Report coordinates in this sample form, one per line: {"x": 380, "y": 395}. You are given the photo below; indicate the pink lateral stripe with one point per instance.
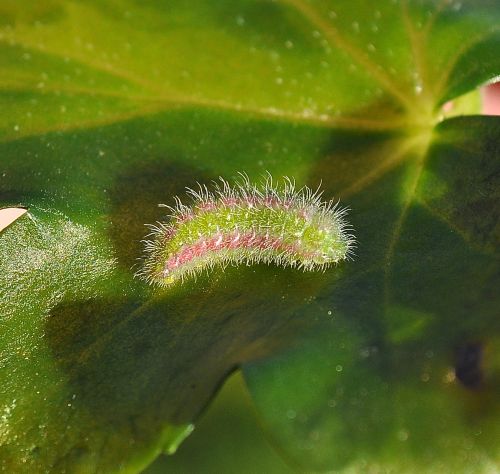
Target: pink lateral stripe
{"x": 231, "y": 241}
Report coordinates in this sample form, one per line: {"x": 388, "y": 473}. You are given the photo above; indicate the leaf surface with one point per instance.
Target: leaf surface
{"x": 109, "y": 108}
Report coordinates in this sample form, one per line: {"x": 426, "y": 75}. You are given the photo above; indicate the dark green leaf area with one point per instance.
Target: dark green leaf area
{"x": 405, "y": 350}
{"x": 213, "y": 447}
{"x": 461, "y": 184}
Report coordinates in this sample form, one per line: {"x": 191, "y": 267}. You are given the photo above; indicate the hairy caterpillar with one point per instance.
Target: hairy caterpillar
{"x": 246, "y": 224}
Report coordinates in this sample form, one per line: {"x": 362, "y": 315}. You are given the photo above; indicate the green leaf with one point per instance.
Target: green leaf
{"x": 213, "y": 446}
{"x": 109, "y": 108}
{"x": 388, "y": 373}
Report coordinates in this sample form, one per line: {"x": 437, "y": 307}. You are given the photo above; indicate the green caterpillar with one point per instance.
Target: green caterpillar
{"x": 246, "y": 224}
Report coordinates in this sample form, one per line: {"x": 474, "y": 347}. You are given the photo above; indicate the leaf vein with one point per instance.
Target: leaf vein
{"x": 338, "y": 40}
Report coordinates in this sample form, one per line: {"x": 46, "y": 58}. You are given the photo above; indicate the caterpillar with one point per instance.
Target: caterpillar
{"x": 246, "y": 224}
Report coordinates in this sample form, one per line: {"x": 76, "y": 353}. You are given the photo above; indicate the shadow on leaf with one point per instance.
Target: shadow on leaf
{"x": 169, "y": 354}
